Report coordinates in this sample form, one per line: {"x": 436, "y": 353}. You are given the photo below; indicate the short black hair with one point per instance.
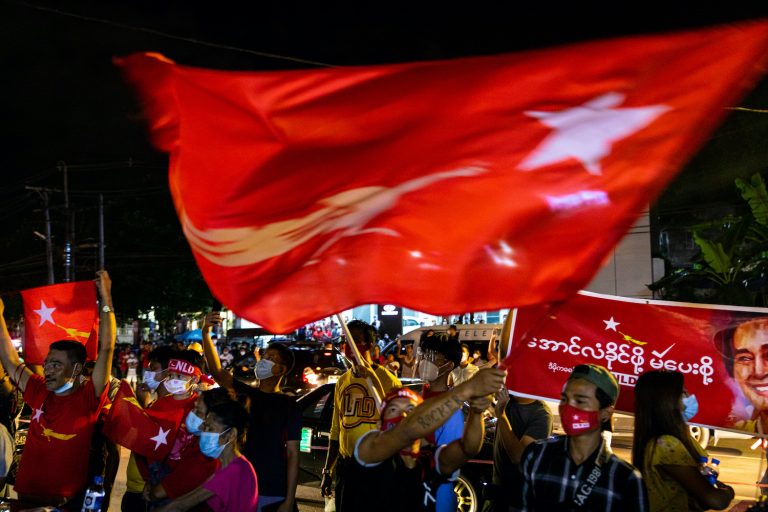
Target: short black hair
{"x": 75, "y": 350}
{"x": 369, "y": 333}
{"x": 163, "y": 354}
{"x": 215, "y": 396}
{"x": 453, "y": 326}
{"x": 232, "y": 414}
{"x": 286, "y": 355}
{"x": 190, "y": 356}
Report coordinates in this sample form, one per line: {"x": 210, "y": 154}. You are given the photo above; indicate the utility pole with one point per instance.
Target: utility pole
{"x": 48, "y": 237}
{"x": 69, "y": 235}
{"x": 101, "y": 231}
{"x": 48, "y": 241}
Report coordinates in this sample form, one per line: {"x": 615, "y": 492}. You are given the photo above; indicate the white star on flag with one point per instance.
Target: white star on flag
{"x": 46, "y": 313}
{"x": 38, "y": 412}
{"x": 611, "y": 324}
{"x": 161, "y": 437}
{"x": 587, "y": 131}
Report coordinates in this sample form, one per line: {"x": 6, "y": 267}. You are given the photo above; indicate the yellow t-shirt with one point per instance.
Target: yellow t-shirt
{"x": 664, "y": 492}
{"x": 354, "y": 409}
{"x": 134, "y": 483}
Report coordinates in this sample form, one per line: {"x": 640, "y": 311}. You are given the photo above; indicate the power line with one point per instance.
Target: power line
{"x": 173, "y": 36}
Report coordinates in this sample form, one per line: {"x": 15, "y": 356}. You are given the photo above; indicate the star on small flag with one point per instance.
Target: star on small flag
{"x": 46, "y": 313}
{"x": 611, "y": 324}
{"x": 38, "y": 413}
{"x": 161, "y": 437}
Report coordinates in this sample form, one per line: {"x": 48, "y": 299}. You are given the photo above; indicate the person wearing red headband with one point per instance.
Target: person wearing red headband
{"x": 185, "y": 467}
{"x": 391, "y": 457}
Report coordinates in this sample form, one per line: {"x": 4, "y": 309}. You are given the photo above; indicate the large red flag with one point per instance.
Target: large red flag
{"x": 444, "y": 186}
{"x": 143, "y": 431}
{"x": 65, "y": 311}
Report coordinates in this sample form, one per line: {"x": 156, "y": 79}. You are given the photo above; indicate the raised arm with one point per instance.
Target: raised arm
{"x": 222, "y": 377}
{"x": 513, "y": 446}
{"x": 428, "y": 416}
{"x": 493, "y": 349}
{"x": 455, "y": 454}
{"x": 107, "y": 332}
{"x": 10, "y": 358}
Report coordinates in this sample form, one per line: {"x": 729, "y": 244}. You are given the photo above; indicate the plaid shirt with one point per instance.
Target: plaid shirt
{"x": 552, "y": 480}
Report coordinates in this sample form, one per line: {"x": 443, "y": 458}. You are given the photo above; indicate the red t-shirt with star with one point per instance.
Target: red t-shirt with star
{"x": 55, "y": 457}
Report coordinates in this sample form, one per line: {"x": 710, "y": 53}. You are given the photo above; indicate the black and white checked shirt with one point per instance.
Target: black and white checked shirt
{"x": 551, "y": 481}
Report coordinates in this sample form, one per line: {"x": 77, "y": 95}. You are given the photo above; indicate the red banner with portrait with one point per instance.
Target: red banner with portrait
{"x": 722, "y": 351}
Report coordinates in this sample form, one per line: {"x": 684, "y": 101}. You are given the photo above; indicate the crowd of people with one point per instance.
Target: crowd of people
{"x": 235, "y": 446}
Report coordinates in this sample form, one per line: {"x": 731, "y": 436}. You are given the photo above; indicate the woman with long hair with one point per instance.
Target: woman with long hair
{"x": 664, "y": 451}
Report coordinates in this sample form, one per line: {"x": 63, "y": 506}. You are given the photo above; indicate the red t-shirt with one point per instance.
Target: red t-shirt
{"x": 55, "y": 458}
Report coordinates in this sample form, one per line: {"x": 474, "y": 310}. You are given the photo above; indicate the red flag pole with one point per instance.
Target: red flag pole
{"x": 359, "y": 359}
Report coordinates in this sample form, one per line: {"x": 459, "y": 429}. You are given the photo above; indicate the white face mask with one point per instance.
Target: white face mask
{"x": 464, "y": 357}
{"x": 264, "y": 369}
{"x": 176, "y": 386}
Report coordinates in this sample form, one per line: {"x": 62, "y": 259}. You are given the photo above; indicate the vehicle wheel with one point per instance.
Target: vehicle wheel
{"x": 700, "y": 435}
{"x": 465, "y": 495}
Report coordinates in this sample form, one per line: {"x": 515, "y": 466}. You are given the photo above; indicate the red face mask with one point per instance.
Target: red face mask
{"x": 391, "y": 423}
{"x": 577, "y": 422}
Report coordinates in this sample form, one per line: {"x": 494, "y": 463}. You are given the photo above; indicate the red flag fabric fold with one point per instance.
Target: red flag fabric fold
{"x": 445, "y": 186}
{"x": 143, "y": 431}
{"x": 66, "y": 311}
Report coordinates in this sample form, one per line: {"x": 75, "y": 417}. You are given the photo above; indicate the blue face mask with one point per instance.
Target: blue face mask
{"x": 209, "y": 444}
{"x": 193, "y": 423}
{"x": 67, "y": 385}
{"x": 690, "y": 407}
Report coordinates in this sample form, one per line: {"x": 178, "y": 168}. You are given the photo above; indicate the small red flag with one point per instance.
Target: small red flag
{"x": 143, "y": 431}
{"x": 445, "y": 186}
{"x": 65, "y": 311}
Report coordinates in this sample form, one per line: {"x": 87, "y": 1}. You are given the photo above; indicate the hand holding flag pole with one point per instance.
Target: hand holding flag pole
{"x": 362, "y": 364}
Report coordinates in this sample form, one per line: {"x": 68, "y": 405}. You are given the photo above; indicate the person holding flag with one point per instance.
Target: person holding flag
{"x": 185, "y": 467}
{"x": 355, "y": 410}
{"x": 54, "y": 465}
{"x": 391, "y": 456}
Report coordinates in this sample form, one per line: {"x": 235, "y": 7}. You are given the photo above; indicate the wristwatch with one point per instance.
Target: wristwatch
{"x": 106, "y": 309}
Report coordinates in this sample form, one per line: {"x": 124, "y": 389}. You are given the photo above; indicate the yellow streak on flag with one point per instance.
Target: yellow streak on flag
{"x": 132, "y": 400}
{"x": 50, "y": 433}
{"x": 72, "y": 332}
{"x": 630, "y": 339}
